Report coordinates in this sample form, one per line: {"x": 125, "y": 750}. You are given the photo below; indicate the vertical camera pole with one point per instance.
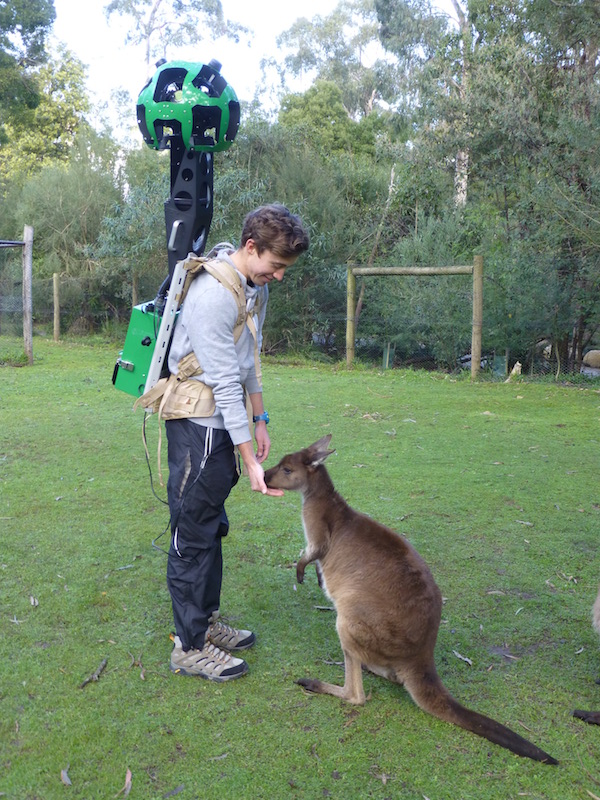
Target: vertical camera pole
{"x": 191, "y": 110}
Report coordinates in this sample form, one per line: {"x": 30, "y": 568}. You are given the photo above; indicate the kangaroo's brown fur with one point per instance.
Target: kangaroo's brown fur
{"x": 593, "y": 717}
{"x": 388, "y": 604}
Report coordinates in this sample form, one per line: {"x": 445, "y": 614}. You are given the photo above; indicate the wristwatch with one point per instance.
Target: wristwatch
{"x": 264, "y": 416}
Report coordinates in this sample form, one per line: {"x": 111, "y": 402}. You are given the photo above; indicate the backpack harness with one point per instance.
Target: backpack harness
{"x": 182, "y": 395}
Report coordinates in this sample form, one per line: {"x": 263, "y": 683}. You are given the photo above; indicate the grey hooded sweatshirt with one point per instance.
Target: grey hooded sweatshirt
{"x": 205, "y": 325}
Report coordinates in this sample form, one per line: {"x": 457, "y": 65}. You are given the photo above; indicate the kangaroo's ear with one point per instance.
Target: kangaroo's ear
{"x": 321, "y": 445}
{"x": 318, "y": 452}
{"x": 319, "y": 457}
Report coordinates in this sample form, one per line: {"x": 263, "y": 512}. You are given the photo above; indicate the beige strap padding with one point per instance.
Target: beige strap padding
{"x": 227, "y": 277}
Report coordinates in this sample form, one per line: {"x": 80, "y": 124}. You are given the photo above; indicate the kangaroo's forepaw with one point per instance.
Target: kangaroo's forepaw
{"x": 592, "y": 717}
{"x": 300, "y": 574}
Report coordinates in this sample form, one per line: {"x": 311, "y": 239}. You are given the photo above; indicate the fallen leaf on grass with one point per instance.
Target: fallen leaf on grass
{"x": 64, "y": 776}
{"x": 137, "y": 662}
{"x": 591, "y": 794}
{"x": 127, "y": 788}
{"x": 219, "y": 758}
{"x": 463, "y": 658}
{"x": 34, "y": 601}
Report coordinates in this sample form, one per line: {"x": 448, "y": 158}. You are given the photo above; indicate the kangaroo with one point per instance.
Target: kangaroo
{"x": 593, "y": 717}
{"x": 387, "y": 602}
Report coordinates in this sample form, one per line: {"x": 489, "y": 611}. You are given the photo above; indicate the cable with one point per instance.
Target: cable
{"x": 160, "y": 499}
{"x": 188, "y": 486}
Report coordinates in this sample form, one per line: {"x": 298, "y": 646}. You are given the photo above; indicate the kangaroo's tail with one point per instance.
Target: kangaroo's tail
{"x": 430, "y": 694}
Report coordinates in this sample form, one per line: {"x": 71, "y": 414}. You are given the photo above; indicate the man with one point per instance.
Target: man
{"x": 202, "y": 460}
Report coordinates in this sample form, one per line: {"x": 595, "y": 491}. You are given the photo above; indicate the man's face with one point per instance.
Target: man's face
{"x": 267, "y": 266}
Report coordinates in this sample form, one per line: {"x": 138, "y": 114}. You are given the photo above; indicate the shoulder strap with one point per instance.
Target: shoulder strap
{"x": 227, "y": 277}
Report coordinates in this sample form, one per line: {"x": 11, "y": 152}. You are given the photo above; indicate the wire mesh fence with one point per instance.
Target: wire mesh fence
{"x": 82, "y": 311}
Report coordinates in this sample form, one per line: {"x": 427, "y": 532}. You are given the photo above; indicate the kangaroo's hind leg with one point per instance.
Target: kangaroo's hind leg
{"x": 352, "y": 691}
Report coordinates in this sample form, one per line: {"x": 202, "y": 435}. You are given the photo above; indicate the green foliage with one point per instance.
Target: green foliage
{"x": 321, "y": 115}
{"x": 510, "y": 535}
{"x": 24, "y": 25}
{"x": 131, "y": 247}
{"x": 336, "y": 49}
{"x": 45, "y": 134}
{"x": 428, "y": 319}
{"x": 508, "y": 106}
{"x": 477, "y": 134}
{"x": 338, "y": 197}
{"x": 66, "y": 205}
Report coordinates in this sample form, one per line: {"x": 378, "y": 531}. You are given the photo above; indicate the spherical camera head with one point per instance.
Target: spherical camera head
{"x": 190, "y": 103}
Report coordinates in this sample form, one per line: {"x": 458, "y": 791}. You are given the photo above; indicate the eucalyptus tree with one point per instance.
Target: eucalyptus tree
{"x": 164, "y": 25}
{"x": 342, "y": 48}
{"x": 24, "y": 26}
{"x": 435, "y": 52}
{"x": 45, "y": 134}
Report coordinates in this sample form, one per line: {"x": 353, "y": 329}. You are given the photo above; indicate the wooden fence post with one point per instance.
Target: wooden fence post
{"x": 477, "y": 317}
{"x": 56, "y": 288}
{"x": 476, "y": 270}
{"x": 350, "y": 310}
{"x": 27, "y": 292}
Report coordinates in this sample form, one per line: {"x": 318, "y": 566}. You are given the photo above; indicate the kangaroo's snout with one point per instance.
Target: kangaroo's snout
{"x": 269, "y": 474}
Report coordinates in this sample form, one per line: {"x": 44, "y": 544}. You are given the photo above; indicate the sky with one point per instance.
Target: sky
{"x": 82, "y": 26}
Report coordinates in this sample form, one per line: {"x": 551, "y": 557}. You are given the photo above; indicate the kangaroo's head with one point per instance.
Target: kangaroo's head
{"x": 296, "y": 470}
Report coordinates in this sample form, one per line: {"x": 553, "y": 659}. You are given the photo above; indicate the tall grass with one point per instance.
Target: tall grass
{"x": 495, "y": 484}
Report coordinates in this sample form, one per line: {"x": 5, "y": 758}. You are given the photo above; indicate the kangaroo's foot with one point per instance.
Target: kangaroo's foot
{"x": 593, "y": 717}
{"x": 343, "y": 692}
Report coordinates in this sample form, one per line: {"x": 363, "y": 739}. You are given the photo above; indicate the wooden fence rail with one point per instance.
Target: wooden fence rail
{"x": 475, "y": 269}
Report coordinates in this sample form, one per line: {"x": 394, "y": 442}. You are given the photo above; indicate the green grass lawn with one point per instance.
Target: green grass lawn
{"x": 498, "y": 487}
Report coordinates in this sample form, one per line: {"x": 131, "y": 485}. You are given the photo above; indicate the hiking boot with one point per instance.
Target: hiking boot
{"x": 210, "y": 663}
{"x": 228, "y": 638}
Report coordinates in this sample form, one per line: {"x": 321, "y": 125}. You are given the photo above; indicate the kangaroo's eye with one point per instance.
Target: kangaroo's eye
{"x": 287, "y": 471}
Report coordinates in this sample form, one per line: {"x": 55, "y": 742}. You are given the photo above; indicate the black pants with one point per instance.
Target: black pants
{"x": 202, "y": 472}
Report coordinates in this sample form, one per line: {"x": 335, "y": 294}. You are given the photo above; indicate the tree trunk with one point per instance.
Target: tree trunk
{"x": 461, "y": 178}
{"x": 361, "y": 296}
